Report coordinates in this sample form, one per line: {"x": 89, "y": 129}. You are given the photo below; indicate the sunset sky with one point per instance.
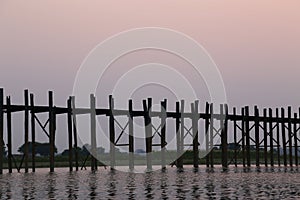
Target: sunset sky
{"x": 255, "y": 44}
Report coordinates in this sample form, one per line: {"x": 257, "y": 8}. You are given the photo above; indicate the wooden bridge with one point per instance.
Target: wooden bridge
{"x": 280, "y": 132}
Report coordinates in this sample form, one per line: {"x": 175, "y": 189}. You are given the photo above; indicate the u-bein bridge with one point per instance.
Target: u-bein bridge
{"x": 277, "y": 146}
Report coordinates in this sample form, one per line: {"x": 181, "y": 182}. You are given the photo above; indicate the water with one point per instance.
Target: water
{"x": 278, "y": 183}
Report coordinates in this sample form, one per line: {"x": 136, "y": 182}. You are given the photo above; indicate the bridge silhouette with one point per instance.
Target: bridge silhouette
{"x": 276, "y": 146}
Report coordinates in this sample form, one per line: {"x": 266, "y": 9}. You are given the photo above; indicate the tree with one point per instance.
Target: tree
{"x": 40, "y": 148}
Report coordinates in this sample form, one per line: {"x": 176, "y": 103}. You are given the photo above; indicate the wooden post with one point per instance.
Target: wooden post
{"x": 112, "y": 133}
{"x": 271, "y": 137}
{"x": 93, "y": 132}
{"x": 283, "y": 137}
{"x": 178, "y": 134}
{"x": 1, "y": 131}
{"x": 211, "y": 136}
{"x": 9, "y": 137}
{"x": 180, "y": 161}
{"x": 131, "y": 137}
{"x": 256, "y": 121}
{"x": 195, "y": 111}
{"x": 207, "y": 133}
{"x": 224, "y": 128}
{"x": 295, "y": 140}
{"x": 51, "y": 131}
{"x": 278, "y": 137}
{"x": 32, "y": 132}
{"x": 265, "y": 138}
{"x": 26, "y": 131}
{"x": 163, "y": 133}
{"x": 290, "y": 135}
{"x": 75, "y": 133}
{"x": 247, "y": 132}
{"x": 148, "y": 130}
{"x": 243, "y": 137}
{"x": 234, "y": 137}
{"x": 69, "y": 118}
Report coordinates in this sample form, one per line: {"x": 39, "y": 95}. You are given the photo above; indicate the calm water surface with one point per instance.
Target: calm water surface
{"x": 278, "y": 183}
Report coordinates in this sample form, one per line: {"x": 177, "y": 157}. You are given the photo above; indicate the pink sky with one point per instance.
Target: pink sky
{"x": 254, "y": 43}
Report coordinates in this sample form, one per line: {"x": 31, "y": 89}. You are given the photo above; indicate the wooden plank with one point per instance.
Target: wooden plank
{"x": 283, "y": 138}
{"x": 112, "y": 133}
{"x": 131, "y": 137}
{"x": 26, "y": 129}
{"x": 32, "y": 132}
{"x": 271, "y": 138}
{"x": 70, "y": 133}
{"x": 9, "y": 136}
{"x": 1, "y": 130}
{"x": 163, "y": 141}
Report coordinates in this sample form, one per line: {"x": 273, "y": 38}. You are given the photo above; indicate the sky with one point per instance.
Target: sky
{"x": 255, "y": 44}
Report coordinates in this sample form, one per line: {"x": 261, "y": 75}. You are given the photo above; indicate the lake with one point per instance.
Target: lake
{"x": 237, "y": 183}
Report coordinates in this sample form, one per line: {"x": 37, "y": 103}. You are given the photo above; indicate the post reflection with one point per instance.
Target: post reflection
{"x": 131, "y": 186}
{"x": 148, "y": 185}
{"x": 51, "y": 188}
{"x": 72, "y": 185}
{"x": 92, "y": 185}
{"x": 164, "y": 185}
{"x": 111, "y": 184}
